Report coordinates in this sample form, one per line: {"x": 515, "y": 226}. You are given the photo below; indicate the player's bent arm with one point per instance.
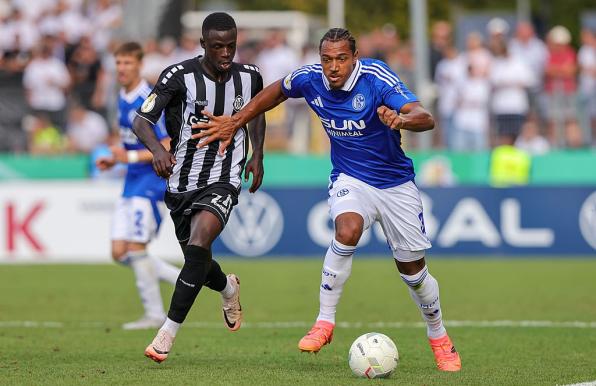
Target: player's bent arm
{"x": 412, "y": 116}
{"x": 136, "y": 156}
{"x": 256, "y": 131}
{"x": 143, "y": 129}
{"x": 163, "y": 161}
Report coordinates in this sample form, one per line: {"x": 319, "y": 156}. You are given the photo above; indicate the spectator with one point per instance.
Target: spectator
{"x": 106, "y": 16}
{"x": 509, "y": 166}
{"x": 471, "y": 119}
{"x": 87, "y": 76}
{"x": 13, "y": 105}
{"x": 276, "y": 60}
{"x": 46, "y": 80}
{"x": 86, "y": 130}
{"x": 440, "y": 41}
{"x": 450, "y": 72}
{"x": 18, "y": 33}
{"x": 527, "y": 47}
{"x": 157, "y": 57}
{"x": 497, "y": 29}
{"x": 189, "y": 47}
{"x": 44, "y": 137}
{"x": 587, "y": 84}
{"x": 477, "y": 55}
{"x": 560, "y": 84}
{"x": 530, "y": 139}
{"x": 510, "y": 78}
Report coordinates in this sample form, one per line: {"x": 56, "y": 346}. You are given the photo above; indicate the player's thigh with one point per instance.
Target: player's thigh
{"x": 212, "y": 204}
{"x": 402, "y": 221}
{"x": 144, "y": 220}
{"x": 119, "y": 226}
{"x": 205, "y": 226}
{"x": 348, "y": 195}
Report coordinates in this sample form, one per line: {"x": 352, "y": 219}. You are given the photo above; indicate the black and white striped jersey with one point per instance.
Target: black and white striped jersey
{"x": 183, "y": 91}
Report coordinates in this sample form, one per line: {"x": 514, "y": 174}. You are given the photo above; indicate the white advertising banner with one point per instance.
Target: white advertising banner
{"x": 66, "y": 221}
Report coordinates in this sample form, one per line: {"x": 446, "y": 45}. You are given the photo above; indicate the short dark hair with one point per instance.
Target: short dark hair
{"x": 218, "y": 21}
{"x": 339, "y": 34}
{"x": 130, "y": 48}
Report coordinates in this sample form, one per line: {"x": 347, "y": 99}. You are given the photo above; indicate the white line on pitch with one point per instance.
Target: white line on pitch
{"x": 590, "y": 383}
{"x": 304, "y": 324}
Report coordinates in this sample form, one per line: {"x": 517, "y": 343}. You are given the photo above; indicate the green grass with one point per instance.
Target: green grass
{"x": 89, "y": 302}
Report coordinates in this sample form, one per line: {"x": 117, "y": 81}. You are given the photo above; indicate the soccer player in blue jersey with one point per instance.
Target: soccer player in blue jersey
{"x": 137, "y": 215}
{"x": 362, "y": 105}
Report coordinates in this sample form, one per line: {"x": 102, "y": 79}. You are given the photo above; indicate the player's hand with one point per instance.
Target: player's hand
{"x": 220, "y": 128}
{"x": 119, "y": 154}
{"x": 390, "y": 117}
{"x": 163, "y": 163}
{"x": 105, "y": 163}
{"x": 254, "y": 166}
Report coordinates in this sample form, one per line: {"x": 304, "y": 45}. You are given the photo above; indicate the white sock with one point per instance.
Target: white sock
{"x": 147, "y": 283}
{"x": 424, "y": 290}
{"x": 165, "y": 271}
{"x": 229, "y": 290}
{"x": 171, "y": 327}
{"x": 336, "y": 270}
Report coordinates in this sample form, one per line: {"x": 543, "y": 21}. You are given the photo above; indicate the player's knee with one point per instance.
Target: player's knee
{"x": 409, "y": 262}
{"x": 348, "y": 233}
{"x": 199, "y": 241}
{"x": 118, "y": 254}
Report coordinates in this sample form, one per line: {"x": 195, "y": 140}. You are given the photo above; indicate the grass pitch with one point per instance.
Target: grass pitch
{"x": 60, "y": 324}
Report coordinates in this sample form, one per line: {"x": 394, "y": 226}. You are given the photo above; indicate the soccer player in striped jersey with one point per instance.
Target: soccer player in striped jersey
{"x": 137, "y": 215}
{"x": 203, "y": 186}
{"x": 362, "y": 105}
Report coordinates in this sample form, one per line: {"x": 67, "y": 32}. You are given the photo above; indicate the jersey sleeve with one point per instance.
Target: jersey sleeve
{"x": 257, "y": 85}
{"x": 394, "y": 93}
{"x": 160, "y": 128}
{"x": 292, "y": 84}
{"x": 166, "y": 88}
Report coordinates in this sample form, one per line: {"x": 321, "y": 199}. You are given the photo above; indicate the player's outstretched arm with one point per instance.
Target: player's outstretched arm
{"x": 224, "y": 127}
{"x": 163, "y": 161}
{"x": 412, "y": 116}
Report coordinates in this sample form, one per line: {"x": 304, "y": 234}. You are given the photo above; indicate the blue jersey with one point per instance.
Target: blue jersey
{"x": 361, "y": 145}
{"x": 140, "y": 179}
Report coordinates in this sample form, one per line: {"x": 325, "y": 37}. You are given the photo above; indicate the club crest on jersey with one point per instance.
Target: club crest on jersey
{"x": 238, "y": 103}
{"x": 358, "y": 102}
{"x": 149, "y": 103}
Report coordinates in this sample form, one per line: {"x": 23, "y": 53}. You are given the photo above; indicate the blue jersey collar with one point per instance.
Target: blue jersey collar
{"x": 131, "y": 96}
{"x": 350, "y": 83}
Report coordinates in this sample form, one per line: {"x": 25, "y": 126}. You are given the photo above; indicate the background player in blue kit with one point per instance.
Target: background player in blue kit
{"x": 362, "y": 106}
{"x": 137, "y": 215}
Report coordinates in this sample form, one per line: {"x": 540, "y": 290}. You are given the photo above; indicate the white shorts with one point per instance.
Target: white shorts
{"x": 397, "y": 209}
{"x": 136, "y": 219}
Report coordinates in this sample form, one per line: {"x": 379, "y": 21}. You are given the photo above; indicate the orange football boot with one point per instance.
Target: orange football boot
{"x": 446, "y": 355}
{"x": 319, "y": 335}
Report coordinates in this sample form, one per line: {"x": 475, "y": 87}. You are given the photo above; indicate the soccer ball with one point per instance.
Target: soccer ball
{"x": 373, "y": 355}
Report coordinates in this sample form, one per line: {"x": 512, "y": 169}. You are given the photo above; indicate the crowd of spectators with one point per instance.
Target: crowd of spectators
{"x": 58, "y": 88}
{"x": 519, "y": 89}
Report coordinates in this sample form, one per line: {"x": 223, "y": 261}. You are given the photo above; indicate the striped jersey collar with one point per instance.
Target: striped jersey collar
{"x": 351, "y": 82}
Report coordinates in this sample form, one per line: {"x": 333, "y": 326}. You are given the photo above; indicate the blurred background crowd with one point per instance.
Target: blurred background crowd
{"x": 502, "y": 83}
